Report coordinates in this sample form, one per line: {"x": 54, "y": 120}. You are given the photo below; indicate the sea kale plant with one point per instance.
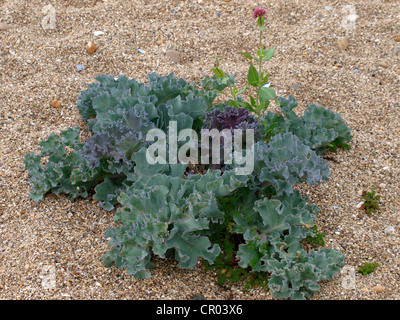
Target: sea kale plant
{"x": 255, "y": 221}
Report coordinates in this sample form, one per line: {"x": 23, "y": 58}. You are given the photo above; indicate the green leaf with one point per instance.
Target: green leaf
{"x": 247, "y": 55}
{"x": 253, "y": 102}
{"x": 265, "y": 79}
{"x": 268, "y": 54}
{"x": 266, "y": 94}
{"x": 247, "y": 105}
{"x": 243, "y": 90}
{"x": 253, "y": 77}
{"x": 218, "y": 72}
{"x": 234, "y": 103}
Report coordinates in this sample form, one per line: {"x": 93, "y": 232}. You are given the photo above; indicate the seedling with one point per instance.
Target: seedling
{"x": 371, "y": 203}
{"x": 367, "y": 268}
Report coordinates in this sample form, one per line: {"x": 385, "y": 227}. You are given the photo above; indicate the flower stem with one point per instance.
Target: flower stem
{"x": 259, "y": 67}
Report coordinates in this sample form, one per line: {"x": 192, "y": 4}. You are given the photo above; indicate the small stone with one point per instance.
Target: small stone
{"x": 383, "y": 64}
{"x": 79, "y": 67}
{"x": 197, "y": 296}
{"x": 174, "y": 55}
{"x": 160, "y": 42}
{"x": 395, "y": 51}
{"x": 343, "y": 245}
{"x": 98, "y": 33}
{"x": 366, "y": 290}
{"x": 360, "y": 204}
{"x": 4, "y": 26}
{"x": 141, "y": 51}
{"x": 227, "y": 0}
{"x": 379, "y": 289}
{"x": 382, "y": 185}
{"x": 91, "y": 47}
{"x": 389, "y": 231}
{"x": 397, "y": 38}
{"x": 55, "y": 103}
{"x": 295, "y": 86}
{"x": 398, "y": 71}
{"x": 343, "y": 43}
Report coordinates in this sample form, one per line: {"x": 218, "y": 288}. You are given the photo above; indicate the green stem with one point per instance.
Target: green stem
{"x": 259, "y": 68}
{"x": 262, "y": 49}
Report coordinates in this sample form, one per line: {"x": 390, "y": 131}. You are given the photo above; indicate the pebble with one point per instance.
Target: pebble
{"x": 79, "y": 67}
{"x": 398, "y": 71}
{"x": 4, "y": 26}
{"x": 98, "y": 33}
{"x": 382, "y": 185}
{"x": 379, "y": 289}
{"x": 174, "y": 55}
{"x": 343, "y": 43}
{"x": 359, "y": 205}
{"x": 141, "y": 51}
{"x": 55, "y": 103}
{"x": 295, "y": 86}
{"x": 395, "y": 51}
{"x": 389, "y": 231}
{"x": 91, "y": 47}
{"x": 397, "y": 38}
{"x": 160, "y": 42}
{"x": 383, "y": 64}
{"x": 197, "y": 296}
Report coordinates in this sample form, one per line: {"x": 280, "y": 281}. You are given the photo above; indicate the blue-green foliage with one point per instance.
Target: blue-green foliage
{"x": 162, "y": 210}
{"x": 319, "y": 128}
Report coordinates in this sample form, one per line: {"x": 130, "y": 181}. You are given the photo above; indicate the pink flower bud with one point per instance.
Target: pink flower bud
{"x": 258, "y": 12}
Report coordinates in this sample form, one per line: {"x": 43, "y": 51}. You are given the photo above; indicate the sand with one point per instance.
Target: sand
{"x": 52, "y": 249}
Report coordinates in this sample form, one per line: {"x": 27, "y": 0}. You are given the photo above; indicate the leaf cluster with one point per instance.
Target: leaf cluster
{"x": 371, "y": 201}
{"x": 254, "y": 223}
{"x": 367, "y": 268}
